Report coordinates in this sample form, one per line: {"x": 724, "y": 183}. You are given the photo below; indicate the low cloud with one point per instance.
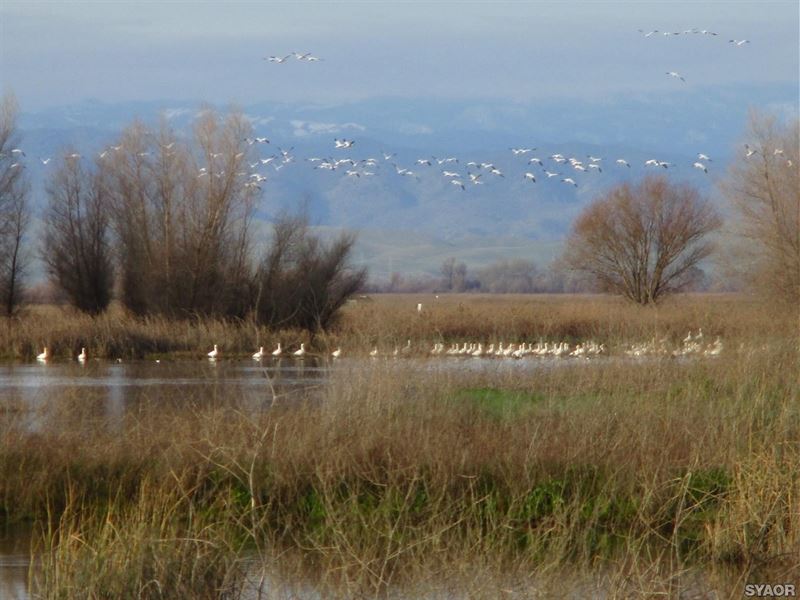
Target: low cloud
{"x": 306, "y": 128}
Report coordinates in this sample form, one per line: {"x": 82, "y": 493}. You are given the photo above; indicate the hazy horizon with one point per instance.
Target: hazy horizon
{"x": 60, "y": 53}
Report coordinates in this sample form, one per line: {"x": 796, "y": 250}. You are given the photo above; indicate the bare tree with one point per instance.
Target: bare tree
{"x": 182, "y": 214}
{"x": 14, "y": 212}
{"x": 516, "y": 276}
{"x": 76, "y": 239}
{"x": 301, "y": 281}
{"x": 643, "y": 241}
{"x": 454, "y": 275}
{"x": 764, "y": 186}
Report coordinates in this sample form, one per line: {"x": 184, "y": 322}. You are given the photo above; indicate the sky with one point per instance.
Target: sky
{"x": 56, "y": 53}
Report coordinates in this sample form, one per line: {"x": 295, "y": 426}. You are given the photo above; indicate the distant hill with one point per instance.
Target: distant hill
{"x": 412, "y": 223}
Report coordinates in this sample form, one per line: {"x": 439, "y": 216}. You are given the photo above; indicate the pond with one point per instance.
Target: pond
{"x": 36, "y": 395}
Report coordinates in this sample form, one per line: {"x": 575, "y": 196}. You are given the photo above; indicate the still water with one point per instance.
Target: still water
{"x": 35, "y": 395}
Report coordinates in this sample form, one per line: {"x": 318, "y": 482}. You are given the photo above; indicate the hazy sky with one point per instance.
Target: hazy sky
{"x": 53, "y": 53}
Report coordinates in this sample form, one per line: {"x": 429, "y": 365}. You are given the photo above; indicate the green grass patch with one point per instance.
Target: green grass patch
{"x": 500, "y": 403}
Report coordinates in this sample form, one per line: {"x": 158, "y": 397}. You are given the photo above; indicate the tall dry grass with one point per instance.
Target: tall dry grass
{"x": 387, "y": 321}
{"x": 629, "y": 476}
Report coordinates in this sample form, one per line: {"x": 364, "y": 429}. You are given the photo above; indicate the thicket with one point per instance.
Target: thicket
{"x": 179, "y": 213}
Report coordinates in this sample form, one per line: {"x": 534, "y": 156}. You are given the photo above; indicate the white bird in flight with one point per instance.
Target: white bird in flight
{"x": 530, "y": 176}
{"x": 622, "y": 161}
{"x": 701, "y": 166}
{"x": 457, "y": 182}
{"x": 676, "y": 75}
{"x": 570, "y": 181}
{"x": 705, "y": 157}
{"x": 343, "y": 143}
{"x": 738, "y": 42}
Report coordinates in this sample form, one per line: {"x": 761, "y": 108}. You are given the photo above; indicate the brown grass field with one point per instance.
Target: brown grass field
{"x": 389, "y": 320}
{"x": 623, "y": 478}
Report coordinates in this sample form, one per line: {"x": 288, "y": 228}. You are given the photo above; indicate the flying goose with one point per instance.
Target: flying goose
{"x": 676, "y": 75}
{"x": 530, "y": 176}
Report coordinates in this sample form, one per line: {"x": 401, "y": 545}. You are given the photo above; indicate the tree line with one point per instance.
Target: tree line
{"x": 648, "y": 239}
{"x": 164, "y": 224}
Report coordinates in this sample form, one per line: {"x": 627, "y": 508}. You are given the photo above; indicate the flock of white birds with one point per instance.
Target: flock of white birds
{"x": 460, "y": 173}
{"x": 455, "y": 170}
{"x": 692, "y": 345}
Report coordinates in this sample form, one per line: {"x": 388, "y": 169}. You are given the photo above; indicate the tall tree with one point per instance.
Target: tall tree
{"x": 14, "y": 211}
{"x": 643, "y": 241}
{"x": 182, "y": 214}
{"x": 76, "y": 240}
{"x": 763, "y": 184}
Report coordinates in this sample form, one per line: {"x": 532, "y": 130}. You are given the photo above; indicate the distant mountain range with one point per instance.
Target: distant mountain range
{"x": 411, "y": 223}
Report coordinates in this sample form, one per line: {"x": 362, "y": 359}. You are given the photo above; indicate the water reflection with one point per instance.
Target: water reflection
{"x": 14, "y": 560}
{"x": 109, "y": 390}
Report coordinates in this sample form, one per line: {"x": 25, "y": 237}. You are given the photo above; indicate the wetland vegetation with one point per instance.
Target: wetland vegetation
{"x": 632, "y": 477}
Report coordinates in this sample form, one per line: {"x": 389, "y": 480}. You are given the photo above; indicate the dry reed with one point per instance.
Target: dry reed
{"x": 636, "y": 478}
